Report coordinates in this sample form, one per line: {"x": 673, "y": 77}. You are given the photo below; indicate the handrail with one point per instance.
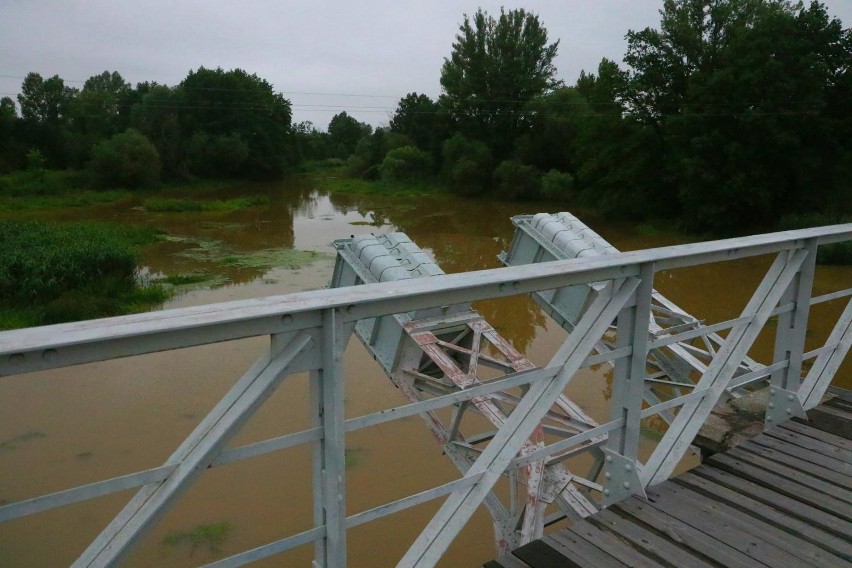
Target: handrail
{"x": 371, "y": 300}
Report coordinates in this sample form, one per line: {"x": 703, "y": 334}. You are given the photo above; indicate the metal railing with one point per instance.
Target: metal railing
{"x": 309, "y": 332}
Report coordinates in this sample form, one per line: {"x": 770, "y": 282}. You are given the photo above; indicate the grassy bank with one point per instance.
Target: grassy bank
{"x": 333, "y": 176}
{"x": 39, "y": 190}
{"x": 52, "y": 273}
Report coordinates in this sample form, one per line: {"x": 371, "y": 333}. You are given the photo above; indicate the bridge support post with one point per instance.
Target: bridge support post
{"x": 790, "y": 343}
{"x": 628, "y": 384}
{"x": 329, "y": 456}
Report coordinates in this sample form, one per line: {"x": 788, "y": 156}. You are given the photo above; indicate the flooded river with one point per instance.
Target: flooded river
{"x": 82, "y": 424}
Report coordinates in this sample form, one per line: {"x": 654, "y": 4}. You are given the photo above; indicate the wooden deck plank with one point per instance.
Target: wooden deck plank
{"x": 715, "y": 520}
{"x": 567, "y": 541}
{"x": 786, "y": 469}
{"x": 829, "y": 420}
{"x": 779, "y": 518}
{"x": 812, "y": 432}
{"x": 789, "y": 505}
{"x": 824, "y": 448}
{"x": 765, "y": 540}
{"x": 685, "y": 535}
{"x": 783, "y": 498}
{"x": 662, "y": 549}
{"x": 782, "y": 485}
{"x": 539, "y": 554}
{"x": 509, "y": 561}
{"x": 840, "y": 404}
{"x": 843, "y": 394}
{"x": 822, "y": 467}
{"x": 616, "y": 547}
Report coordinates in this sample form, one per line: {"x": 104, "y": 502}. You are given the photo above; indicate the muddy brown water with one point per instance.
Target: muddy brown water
{"x": 82, "y": 424}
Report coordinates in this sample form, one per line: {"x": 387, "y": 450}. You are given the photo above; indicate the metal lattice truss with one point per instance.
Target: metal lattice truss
{"x": 673, "y": 367}
{"x": 439, "y": 351}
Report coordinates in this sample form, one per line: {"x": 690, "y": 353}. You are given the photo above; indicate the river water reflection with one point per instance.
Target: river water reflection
{"x": 82, "y": 424}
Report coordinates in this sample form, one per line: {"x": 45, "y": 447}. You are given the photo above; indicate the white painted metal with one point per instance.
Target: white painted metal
{"x": 324, "y": 318}
{"x": 458, "y": 508}
{"x": 196, "y": 453}
{"x": 692, "y": 415}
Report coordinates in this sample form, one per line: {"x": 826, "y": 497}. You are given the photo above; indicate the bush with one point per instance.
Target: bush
{"x": 40, "y": 182}
{"x": 125, "y": 160}
{"x": 514, "y": 180}
{"x": 467, "y": 165}
{"x": 41, "y": 261}
{"x": 406, "y": 164}
{"x": 216, "y": 156}
{"x": 557, "y": 185}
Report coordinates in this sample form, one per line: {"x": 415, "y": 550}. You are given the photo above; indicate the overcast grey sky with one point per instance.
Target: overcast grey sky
{"x": 324, "y": 56}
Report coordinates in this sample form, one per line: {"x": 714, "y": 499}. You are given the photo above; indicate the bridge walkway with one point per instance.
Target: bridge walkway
{"x": 783, "y": 498}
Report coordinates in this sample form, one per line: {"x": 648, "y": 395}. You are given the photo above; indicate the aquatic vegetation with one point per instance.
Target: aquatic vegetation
{"x": 215, "y": 251}
{"x": 51, "y": 272}
{"x": 352, "y": 456}
{"x": 15, "y": 442}
{"x": 211, "y": 537}
{"x": 184, "y": 279}
{"x": 188, "y": 205}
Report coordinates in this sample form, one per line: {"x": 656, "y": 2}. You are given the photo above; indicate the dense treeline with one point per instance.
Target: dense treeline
{"x": 214, "y": 123}
{"x": 733, "y": 115}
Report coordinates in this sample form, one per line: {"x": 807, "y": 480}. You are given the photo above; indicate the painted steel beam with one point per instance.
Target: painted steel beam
{"x": 692, "y": 415}
{"x": 195, "y": 453}
{"x": 460, "y": 506}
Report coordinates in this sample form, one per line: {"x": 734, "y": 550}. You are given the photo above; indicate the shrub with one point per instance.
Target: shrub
{"x": 557, "y": 185}
{"x": 216, "y": 156}
{"x": 406, "y": 163}
{"x": 126, "y": 160}
{"x": 467, "y": 165}
{"x": 514, "y": 180}
{"x": 62, "y": 272}
{"x": 40, "y": 261}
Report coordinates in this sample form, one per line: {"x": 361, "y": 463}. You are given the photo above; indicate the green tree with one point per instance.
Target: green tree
{"x": 557, "y": 185}
{"x": 102, "y": 107}
{"x": 216, "y": 156}
{"x": 157, "y": 116}
{"x": 496, "y": 67}
{"x": 406, "y": 164}
{"x": 9, "y": 147}
{"x": 127, "y": 159}
{"x": 45, "y": 101}
{"x": 744, "y": 99}
{"x": 467, "y": 164}
{"x": 344, "y": 133}
{"x": 235, "y": 103}
{"x": 514, "y": 180}
{"x": 419, "y": 118}
{"x": 555, "y": 121}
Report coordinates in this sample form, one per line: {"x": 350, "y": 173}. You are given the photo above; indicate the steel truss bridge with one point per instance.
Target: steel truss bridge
{"x": 506, "y": 423}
